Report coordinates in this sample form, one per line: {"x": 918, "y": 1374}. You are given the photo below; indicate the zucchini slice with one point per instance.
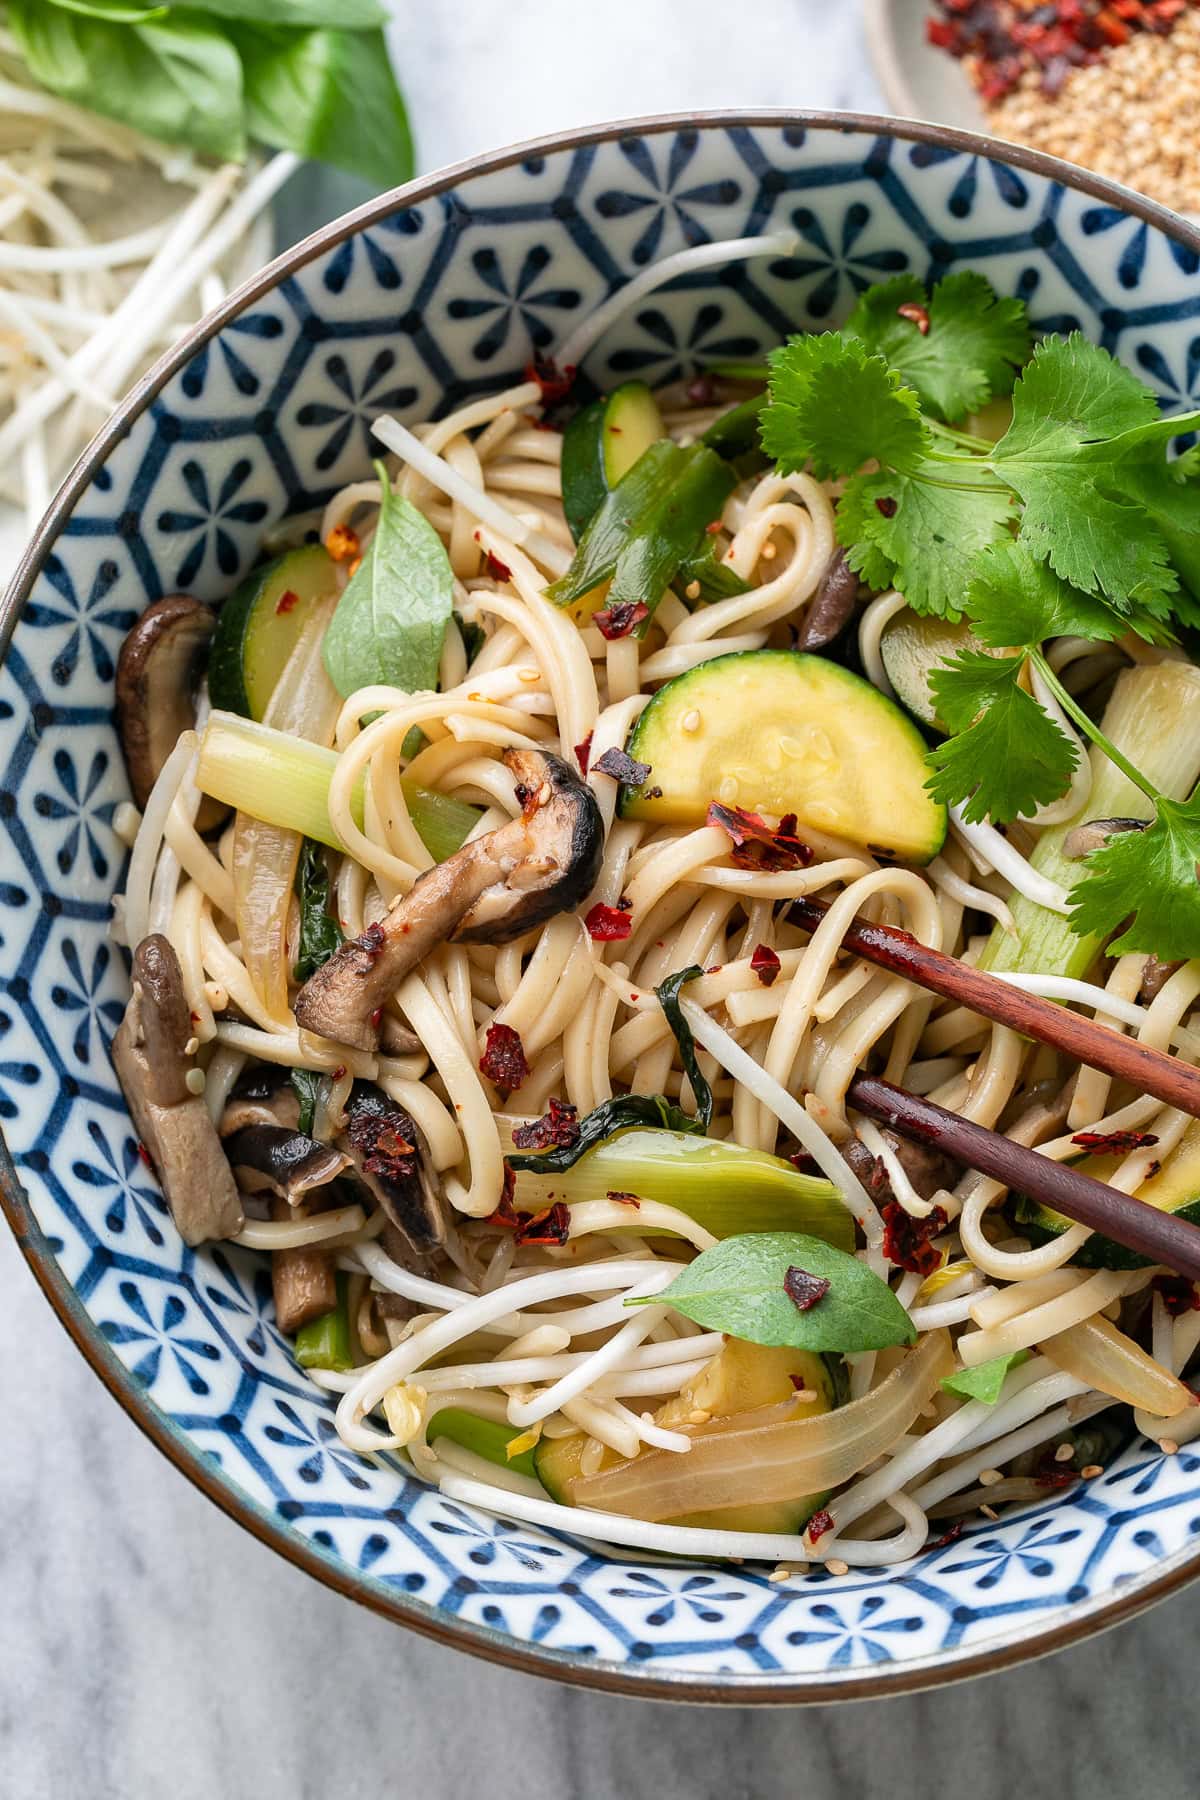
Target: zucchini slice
{"x": 258, "y": 626}
{"x": 601, "y": 444}
{"x": 776, "y": 731}
{"x": 739, "y": 1378}
{"x": 911, "y": 647}
{"x": 1174, "y": 1189}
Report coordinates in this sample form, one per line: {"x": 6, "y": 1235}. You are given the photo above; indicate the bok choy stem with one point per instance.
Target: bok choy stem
{"x": 284, "y": 780}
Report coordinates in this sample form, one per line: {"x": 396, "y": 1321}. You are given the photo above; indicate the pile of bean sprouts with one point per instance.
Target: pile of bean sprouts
{"x": 499, "y": 1331}
{"x": 112, "y": 245}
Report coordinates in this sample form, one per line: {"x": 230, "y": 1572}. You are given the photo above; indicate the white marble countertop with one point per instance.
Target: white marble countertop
{"x": 151, "y": 1647}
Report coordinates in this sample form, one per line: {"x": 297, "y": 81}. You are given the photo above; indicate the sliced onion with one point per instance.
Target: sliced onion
{"x": 1096, "y": 1352}
{"x": 767, "y": 1455}
{"x": 306, "y": 704}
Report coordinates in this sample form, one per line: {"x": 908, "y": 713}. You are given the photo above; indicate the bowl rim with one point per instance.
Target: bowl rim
{"x": 644, "y": 1680}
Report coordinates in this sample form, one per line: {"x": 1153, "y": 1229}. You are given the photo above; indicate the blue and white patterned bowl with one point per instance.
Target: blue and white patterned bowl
{"x": 419, "y": 299}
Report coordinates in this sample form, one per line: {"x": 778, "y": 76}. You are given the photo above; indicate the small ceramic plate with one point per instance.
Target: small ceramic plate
{"x": 920, "y": 82}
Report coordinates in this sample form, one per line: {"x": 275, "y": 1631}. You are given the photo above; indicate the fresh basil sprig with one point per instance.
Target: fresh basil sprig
{"x": 668, "y": 999}
{"x": 611, "y": 1115}
{"x": 311, "y": 76}
{"x": 391, "y": 620}
{"x": 738, "y": 1286}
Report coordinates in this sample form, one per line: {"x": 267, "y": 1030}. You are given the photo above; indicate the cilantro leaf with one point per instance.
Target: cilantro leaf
{"x": 835, "y": 406}
{"x": 923, "y": 539}
{"x": 1008, "y": 756}
{"x": 1077, "y": 514}
{"x": 974, "y": 345}
{"x": 1170, "y": 494}
{"x": 1014, "y": 599}
{"x": 1151, "y": 878}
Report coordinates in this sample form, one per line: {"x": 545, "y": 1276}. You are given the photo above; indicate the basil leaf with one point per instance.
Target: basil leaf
{"x": 738, "y": 1287}
{"x": 611, "y": 1115}
{"x": 351, "y": 15}
{"x": 330, "y": 95}
{"x": 320, "y": 933}
{"x": 307, "y": 1083}
{"x": 391, "y": 619}
{"x": 985, "y": 1380}
{"x": 178, "y": 79}
{"x": 668, "y": 999}
{"x": 119, "y": 11}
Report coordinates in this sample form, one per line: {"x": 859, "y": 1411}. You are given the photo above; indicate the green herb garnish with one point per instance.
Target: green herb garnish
{"x": 320, "y": 933}
{"x": 391, "y": 620}
{"x": 1074, "y": 523}
{"x": 668, "y": 999}
{"x": 740, "y": 1286}
{"x": 311, "y": 76}
{"x": 986, "y": 1380}
{"x": 609, "y": 1116}
{"x": 307, "y": 1083}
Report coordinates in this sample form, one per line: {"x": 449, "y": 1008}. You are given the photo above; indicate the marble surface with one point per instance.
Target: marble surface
{"x": 151, "y": 1647}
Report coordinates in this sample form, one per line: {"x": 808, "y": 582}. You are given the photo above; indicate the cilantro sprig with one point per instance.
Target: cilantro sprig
{"x": 1075, "y": 523}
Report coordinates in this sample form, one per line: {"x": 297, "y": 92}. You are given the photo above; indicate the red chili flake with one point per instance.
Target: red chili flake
{"x": 504, "y": 1213}
{"x": 799, "y": 1385}
{"x": 621, "y": 767}
{"x": 553, "y": 1226}
{"x": 1055, "y": 1478}
{"x": 755, "y": 845}
{"x": 560, "y": 1126}
{"x": 622, "y": 1198}
{"x": 803, "y": 1163}
{"x": 907, "y": 1241}
{"x": 948, "y": 1537}
{"x": 376, "y": 1018}
{"x": 144, "y": 1155}
{"x": 804, "y": 1290}
{"x": 380, "y": 1141}
{"x": 498, "y": 570}
{"x": 194, "y": 1017}
{"x": 624, "y": 904}
{"x": 1100, "y": 1143}
{"x": 765, "y": 964}
{"x": 818, "y": 1525}
{"x": 342, "y": 543}
{"x": 583, "y": 753}
{"x": 619, "y": 620}
{"x": 503, "y": 1060}
{"x": 886, "y": 505}
{"x": 701, "y": 391}
{"x": 287, "y": 601}
{"x": 712, "y": 528}
{"x": 339, "y": 1072}
{"x": 916, "y": 314}
{"x": 608, "y": 924}
{"x": 1178, "y": 1295}
{"x": 554, "y": 382}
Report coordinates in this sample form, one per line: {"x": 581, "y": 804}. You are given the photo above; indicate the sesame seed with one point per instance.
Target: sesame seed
{"x": 698, "y": 1416}
{"x": 1168, "y": 1446}
{"x": 1064, "y": 1453}
{"x": 989, "y": 1477}
{"x": 691, "y": 720}
{"x": 692, "y": 590}
{"x": 989, "y": 1512}
{"x": 1133, "y": 115}
{"x": 779, "y": 1574}
{"x": 1091, "y": 1472}
{"x": 836, "y": 1566}
{"x": 194, "y": 1081}
{"x": 768, "y": 553}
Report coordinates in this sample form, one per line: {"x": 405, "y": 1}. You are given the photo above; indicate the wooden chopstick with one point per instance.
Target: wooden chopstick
{"x": 1159, "y": 1236}
{"x": 1151, "y": 1071}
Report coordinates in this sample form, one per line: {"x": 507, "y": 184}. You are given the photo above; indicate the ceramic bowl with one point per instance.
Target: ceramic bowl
{"x": 425, "y": 296}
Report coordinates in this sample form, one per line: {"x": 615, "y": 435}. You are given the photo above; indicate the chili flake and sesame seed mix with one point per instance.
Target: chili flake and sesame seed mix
{"x": 1114, "y": 87}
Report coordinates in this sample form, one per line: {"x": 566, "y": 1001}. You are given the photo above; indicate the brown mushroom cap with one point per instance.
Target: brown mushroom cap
{"x": 150, "y": 1056}
{"x": 492, "y": 890}
{"x": 157, "y": 671}
{"x": 1093, "y": 834}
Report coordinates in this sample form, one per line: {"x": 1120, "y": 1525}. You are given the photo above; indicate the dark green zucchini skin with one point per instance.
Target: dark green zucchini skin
{"x": 1098, "y": 1252}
